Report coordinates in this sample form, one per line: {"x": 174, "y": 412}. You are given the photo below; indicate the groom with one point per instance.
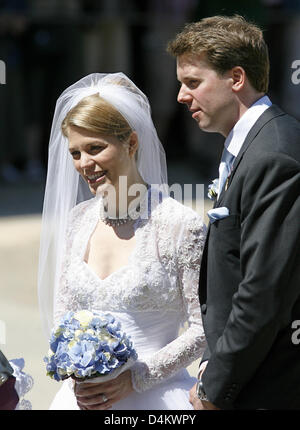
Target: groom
{"x": 250, "y": 273}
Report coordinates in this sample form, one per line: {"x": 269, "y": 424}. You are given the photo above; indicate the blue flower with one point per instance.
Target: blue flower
{"x": 87, "y": 344}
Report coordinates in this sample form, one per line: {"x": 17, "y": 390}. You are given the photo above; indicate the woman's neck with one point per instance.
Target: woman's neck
{"x": 126, "y": 198}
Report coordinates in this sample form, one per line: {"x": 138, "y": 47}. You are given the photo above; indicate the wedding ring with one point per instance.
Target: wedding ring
{"x": 104, "y": 398}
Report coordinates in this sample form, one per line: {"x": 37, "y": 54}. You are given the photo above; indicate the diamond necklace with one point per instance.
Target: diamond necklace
{"x": 116, "y": 222}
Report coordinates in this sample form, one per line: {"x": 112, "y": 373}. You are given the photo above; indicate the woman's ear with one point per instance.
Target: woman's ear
{"x": 133, "y": 143}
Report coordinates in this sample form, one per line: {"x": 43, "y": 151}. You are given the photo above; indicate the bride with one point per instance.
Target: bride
{"x": 113, "y": 240}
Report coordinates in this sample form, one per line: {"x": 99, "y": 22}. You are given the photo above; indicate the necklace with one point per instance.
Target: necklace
{"x": 116, "y": 222}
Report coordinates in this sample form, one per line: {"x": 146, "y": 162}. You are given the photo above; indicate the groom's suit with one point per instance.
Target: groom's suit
{"x": 250, "y": 274}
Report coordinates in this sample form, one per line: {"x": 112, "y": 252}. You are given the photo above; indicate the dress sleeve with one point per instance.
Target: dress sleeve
{"x": 189, "y": 346}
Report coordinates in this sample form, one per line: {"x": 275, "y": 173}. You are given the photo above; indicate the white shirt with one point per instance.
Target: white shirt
{"x": 238, "y": 134}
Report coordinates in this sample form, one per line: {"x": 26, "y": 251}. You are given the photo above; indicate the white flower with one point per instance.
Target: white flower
{"x": 84, "y": 318}
{"x": 213, "y": 189}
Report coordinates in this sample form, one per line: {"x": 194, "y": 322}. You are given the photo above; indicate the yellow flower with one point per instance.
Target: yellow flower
{"x": 107, "y": 355}
{"x": 50, "y": 353}
{"x": 84, "y": 317}
{"x": 72, "y": 343}
{"x": 58, "y": 331}
{"x": 78, "y": 333}
{"x": 109, "y": 339}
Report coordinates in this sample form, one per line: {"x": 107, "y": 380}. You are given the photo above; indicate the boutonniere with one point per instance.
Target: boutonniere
{"x": 213, "y": 189}
{"x": 226, "y": 183}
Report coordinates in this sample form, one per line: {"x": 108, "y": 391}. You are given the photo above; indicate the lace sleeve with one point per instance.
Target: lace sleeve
{"x": 190, "y": 345}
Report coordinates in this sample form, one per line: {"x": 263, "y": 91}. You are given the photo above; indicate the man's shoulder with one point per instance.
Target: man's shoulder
{"x": 276, "y": 116}
{"x": 277, "y": 132}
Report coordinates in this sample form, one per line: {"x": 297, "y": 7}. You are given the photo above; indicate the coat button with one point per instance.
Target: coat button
{"x": 203, "y": 308}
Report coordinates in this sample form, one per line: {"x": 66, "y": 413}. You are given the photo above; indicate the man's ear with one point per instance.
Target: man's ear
{"x": 133, "y": 143}
{"x": 238, "y": 76}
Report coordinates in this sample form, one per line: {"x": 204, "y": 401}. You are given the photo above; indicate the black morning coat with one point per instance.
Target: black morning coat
{"x": 249, "y": 287}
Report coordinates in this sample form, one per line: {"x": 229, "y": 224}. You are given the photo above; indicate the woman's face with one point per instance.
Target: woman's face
{"x": 100, "y": 160}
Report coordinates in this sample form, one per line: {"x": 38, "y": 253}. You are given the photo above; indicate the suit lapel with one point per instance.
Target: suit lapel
{"x": 267, "y": 116}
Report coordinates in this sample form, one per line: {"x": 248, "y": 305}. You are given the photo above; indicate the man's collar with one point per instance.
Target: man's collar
{"x": 237, "y": 135}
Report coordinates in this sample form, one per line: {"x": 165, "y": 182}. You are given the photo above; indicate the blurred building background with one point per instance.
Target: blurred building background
{"x": 47, "y": 45}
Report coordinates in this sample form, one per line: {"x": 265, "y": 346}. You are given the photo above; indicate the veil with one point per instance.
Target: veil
{"x": 64, "y": 186}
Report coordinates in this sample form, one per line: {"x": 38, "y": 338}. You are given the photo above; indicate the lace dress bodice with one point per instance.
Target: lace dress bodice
{"x": 152, "y": 296}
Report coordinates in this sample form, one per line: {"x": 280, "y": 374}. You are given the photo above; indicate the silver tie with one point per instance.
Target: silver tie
{"x": 225, "y": 167}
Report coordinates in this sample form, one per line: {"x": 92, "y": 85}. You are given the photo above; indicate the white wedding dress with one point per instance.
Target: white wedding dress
{"x": 152, "y": 296}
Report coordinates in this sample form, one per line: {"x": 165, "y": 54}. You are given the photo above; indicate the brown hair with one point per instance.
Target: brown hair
{"x": 95, "y": 114}
{"x": 227, "y": 42}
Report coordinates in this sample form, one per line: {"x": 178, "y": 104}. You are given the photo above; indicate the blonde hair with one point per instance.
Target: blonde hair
{"x": 95, "y": 114}
{"x": 227, "y": 42}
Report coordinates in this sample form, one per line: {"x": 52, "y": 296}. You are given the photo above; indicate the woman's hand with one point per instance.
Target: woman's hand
{"x": 92, "y": 396}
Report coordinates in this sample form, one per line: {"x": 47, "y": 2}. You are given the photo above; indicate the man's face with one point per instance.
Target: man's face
{"x": 207, "y": 94}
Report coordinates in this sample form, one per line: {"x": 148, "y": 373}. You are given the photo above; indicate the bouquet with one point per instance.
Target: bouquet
{"x": 87, "y": 345}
